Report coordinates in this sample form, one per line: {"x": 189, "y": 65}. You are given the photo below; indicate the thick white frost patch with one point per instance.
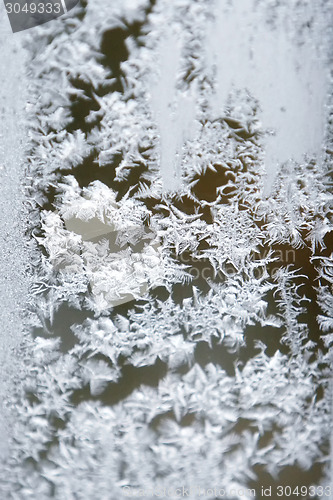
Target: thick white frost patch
{"x": 288, "y": 76}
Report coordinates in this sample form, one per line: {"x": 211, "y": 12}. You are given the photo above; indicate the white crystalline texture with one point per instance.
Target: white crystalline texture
{"x": 182, "y": 354}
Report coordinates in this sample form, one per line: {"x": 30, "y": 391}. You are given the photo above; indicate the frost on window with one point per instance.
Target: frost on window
{"x": 181, "y": 331}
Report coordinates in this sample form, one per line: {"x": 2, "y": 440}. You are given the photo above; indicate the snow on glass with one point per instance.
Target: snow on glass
{"x": 151, "y": 177}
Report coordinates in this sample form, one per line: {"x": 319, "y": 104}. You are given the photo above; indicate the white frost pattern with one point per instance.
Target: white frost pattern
{"x": 185, "y": 419}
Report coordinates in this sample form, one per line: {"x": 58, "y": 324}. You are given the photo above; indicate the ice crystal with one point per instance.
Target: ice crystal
{"x": 131, "y": 403}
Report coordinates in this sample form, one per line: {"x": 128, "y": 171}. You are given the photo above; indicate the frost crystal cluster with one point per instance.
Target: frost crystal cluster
{"x": 172, "y": 341}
